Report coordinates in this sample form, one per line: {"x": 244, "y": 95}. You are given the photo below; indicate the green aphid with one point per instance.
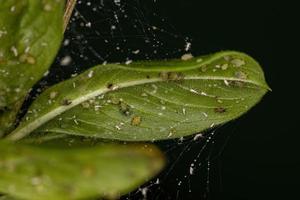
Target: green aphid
{"x": 125, "y": 109}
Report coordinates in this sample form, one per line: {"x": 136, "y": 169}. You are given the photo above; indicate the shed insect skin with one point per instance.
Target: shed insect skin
{"x": 220, "y": 110}
{"x": 238, "y": 84}
{"x": 110, "y": 86}
{"x": 66, "y": 102}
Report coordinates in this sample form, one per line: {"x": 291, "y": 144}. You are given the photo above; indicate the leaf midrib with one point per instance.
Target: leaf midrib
{"x": 21, "y": 132}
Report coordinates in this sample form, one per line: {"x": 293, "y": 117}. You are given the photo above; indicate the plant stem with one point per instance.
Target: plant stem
{"x": 68, "y": 12}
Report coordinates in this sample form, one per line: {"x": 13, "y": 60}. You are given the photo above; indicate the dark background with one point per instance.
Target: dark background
{"x": 254, "y": 157}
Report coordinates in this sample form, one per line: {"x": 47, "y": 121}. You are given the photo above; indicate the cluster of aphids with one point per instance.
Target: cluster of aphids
{"x": 171, "y": 76}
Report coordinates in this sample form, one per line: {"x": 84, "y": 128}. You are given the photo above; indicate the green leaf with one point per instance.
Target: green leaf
{"x": 7, "y": 198}
{"x": 149, "y": 100}
{"x": 30, "y": 35}
{"x": 58, "y": 172}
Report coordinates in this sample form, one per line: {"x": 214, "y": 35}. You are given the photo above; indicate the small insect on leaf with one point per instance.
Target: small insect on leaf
{"x": 136, "y": 120}
{"x": 220, "y": 110}
{"x": 66, "y": 102}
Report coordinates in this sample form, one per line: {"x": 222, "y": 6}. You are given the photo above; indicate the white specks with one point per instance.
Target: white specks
{"x": 212, "y": 125}
{"x": 186, "y": 57}
{"x": 65, "y": 61}
{"x": 128, "y": 62}
{"x": 89, "y": 25}
{"x": 192, "y": 169}
{"x": 194, "y": 91}
{"x": 66, "y": 42}
{"x": 74, "y": 75}
{"x": 90, "y": 74}
{"x": 226, "y": 82}
{"x": 101, "y": 96}
{"x": 44, "y": 44}
{"x": 181, "y": 139}
{"x": 219, "y": 101}
{"x": 183, "y": 111}
{"x": 97, "y": 107}
{"x": 199, "y": 60}
{"x": 27, "y": 49}
{"x": 163, "y": 107}
{"x": 154, "y": 89}
{"x": 47, "y": 7}
{"x": 205, "y": 114}
{"x": 14, "y": 50}
{"x": 144, "y": 192}
{"x": 203, "y": 93}
{"x": 118, "y": 127}
{"x": 188, "y": 46}
{"x": 198, "y": 136}
{"x": 136, "y": 51}
{"x": 157, "y": 181}
{"x": 75, "y": 120}
{"x": 74, "y": 85}
{"x": 46, "y": 73}
{"x": 144, "y": 94}
{"x": 113, "y": 27}
{"x": 117, "y": 2}
{"x": 13, "y": 9}
{"x": 115, "y": 87}
{"x": 170, "y": 134}
{"x": 160, "y": 114}
{"x": 3, "y": 32}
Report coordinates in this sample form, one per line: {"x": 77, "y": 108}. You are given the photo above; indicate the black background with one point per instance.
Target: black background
{"x": 256, "y": 156}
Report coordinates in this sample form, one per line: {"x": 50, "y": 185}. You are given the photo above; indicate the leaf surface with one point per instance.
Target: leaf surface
{"x": 149, "y": 100}
{"x": 30, "y": 35}
{"x": 67, "y": 171}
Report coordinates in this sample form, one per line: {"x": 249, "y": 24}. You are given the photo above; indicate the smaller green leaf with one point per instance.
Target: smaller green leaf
{"x": 57, "y": 172}
{"x": 30, "y": 35}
